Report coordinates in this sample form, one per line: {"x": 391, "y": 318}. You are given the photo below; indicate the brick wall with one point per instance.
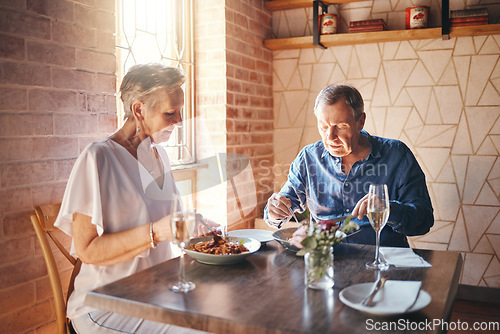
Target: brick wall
{"x": 234, "y": 97}
{"x": 249, "y": 113}
{"x": 57, "y": 83}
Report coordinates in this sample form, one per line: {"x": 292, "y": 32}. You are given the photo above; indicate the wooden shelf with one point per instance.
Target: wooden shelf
{"x": 292, "y": 4}
{"x": 378, "y": 36}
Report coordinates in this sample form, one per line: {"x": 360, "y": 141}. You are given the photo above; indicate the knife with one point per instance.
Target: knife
{"x": 341, "y": 218}
{"x": 376, "y": 288}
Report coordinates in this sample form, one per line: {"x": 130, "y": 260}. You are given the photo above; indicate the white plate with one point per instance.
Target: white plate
{"x": 251, "y": 244}
{"x": 259, "y": 235}
{"x": 354, "y": 294}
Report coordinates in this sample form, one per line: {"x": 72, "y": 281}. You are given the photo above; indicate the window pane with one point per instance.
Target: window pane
{"x": 160, "y": 31}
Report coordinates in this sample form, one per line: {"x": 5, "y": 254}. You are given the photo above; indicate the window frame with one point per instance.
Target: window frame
{"x": 186, "y": 150}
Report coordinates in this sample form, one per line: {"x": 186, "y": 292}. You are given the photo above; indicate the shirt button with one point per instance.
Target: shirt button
{"x": 346, "y": 210}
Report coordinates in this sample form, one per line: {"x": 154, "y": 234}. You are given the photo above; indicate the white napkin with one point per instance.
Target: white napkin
{"x": 403, "y": 257}
{"x": 396, "y": 296}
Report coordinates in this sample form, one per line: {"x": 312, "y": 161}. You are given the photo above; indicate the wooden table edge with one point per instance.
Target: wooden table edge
{"x": 454, "y": 287}
{"x": 221, "y": 325}
{"x": 194, "y": 321}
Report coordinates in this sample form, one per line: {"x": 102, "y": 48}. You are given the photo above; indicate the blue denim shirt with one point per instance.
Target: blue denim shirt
{"x": 316, "y": 181}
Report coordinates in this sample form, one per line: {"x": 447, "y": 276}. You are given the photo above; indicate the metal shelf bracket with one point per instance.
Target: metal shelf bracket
{"x": 316, "y": 22}
{"x": 445, "y": 19}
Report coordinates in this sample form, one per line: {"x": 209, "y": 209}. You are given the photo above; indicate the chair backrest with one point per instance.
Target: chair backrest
{"x": 43, "y": 222}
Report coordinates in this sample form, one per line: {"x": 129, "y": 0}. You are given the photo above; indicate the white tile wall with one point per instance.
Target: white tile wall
{"x": 440, "y": 97}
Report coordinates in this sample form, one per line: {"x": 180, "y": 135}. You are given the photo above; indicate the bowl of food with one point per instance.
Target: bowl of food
{"x": 230, "y": 251}
{"x": 283, "y": 236}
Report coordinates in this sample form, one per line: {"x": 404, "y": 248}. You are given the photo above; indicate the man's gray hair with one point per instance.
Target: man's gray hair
{"x": 334, "y": 93}
{"x": 142, "y": 82}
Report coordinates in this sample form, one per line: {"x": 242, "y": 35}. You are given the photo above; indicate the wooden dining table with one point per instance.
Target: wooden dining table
{"x": 266, "y": 294}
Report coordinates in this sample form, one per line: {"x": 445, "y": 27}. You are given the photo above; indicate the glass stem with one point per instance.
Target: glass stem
{"x": 181, "y": 271}
{"x": 377, "y": 246}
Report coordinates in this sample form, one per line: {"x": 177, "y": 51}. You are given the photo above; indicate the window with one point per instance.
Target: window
{"x": 160, "y": 31}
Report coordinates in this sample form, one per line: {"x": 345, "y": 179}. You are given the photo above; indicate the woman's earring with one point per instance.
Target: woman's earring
{"x": 138, "y": 129}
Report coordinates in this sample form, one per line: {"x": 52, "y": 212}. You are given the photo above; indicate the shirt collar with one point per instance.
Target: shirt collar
{"x": 325, "y": 151}
{"x": 374, "y": 152}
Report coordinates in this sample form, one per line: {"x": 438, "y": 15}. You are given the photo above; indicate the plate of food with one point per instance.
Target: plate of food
{"x": 283, "y": 236}
{"x": 230, "y": 251}
{"x": 257, "y": 234}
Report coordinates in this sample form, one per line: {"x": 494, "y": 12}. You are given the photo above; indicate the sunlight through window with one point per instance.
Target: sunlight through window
{"x": 160, "y": 31}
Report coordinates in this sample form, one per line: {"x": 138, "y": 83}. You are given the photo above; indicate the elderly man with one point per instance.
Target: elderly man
{"x": 331, "y": 177}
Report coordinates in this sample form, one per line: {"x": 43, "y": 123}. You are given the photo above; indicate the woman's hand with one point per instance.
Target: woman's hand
{"x": 202, "y": 230}
{"x": 162, "y": 229}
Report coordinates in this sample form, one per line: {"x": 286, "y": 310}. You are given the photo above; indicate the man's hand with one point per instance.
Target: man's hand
{"x": 297, "y": 237}
{"x": 361, "y": 208}
{"x": 278, "y": 208}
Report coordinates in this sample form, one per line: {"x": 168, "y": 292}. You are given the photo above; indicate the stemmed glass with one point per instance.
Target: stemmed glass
{"x": 183, "y": 222}
{"x": 378, "y": 213}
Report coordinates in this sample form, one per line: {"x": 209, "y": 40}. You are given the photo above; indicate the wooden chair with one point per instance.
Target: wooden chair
{"x": 43, "y": 223}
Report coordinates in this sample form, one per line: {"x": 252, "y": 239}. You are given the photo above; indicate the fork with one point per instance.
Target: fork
{"x": 379, "y": 284}
{"x": 217, "y": 238}
{"x": 294, "y": 217}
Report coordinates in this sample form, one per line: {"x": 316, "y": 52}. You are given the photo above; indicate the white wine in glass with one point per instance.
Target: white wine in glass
{"x": 378, "y": 214}
{"x": 378, "y": 218}
{"x": 183, "y": 222}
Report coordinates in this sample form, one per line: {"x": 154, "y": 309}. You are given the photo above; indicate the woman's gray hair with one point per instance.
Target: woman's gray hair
{"x": 142, "y": 82}
{"x": 334, "y": 93}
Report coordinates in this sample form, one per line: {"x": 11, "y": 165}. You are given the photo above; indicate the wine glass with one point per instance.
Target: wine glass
{"x": 378, "y": 213}
{"x": 183, "y": 222}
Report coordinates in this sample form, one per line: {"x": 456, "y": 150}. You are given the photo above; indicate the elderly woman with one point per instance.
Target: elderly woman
{"x": 118, "y": 198}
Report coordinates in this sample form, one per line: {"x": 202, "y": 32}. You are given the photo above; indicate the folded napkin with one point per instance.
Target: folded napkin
{"x": 396, "y": 297}
{"x": 403, "y": 257}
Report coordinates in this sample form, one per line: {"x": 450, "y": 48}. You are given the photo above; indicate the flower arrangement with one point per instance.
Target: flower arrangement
{"x": 317, "y": 250}
{"x": 325, "y": 234}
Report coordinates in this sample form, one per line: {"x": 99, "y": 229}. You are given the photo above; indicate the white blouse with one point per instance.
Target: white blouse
{"x": 108, "y": 184}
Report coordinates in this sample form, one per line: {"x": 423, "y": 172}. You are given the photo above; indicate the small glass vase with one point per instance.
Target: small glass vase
{"x": 318, "y": 270}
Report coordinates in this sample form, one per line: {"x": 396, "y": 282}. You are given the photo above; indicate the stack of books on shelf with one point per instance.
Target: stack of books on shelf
{"x": 468, "y": 17}
{"x": 367, "y": 25}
